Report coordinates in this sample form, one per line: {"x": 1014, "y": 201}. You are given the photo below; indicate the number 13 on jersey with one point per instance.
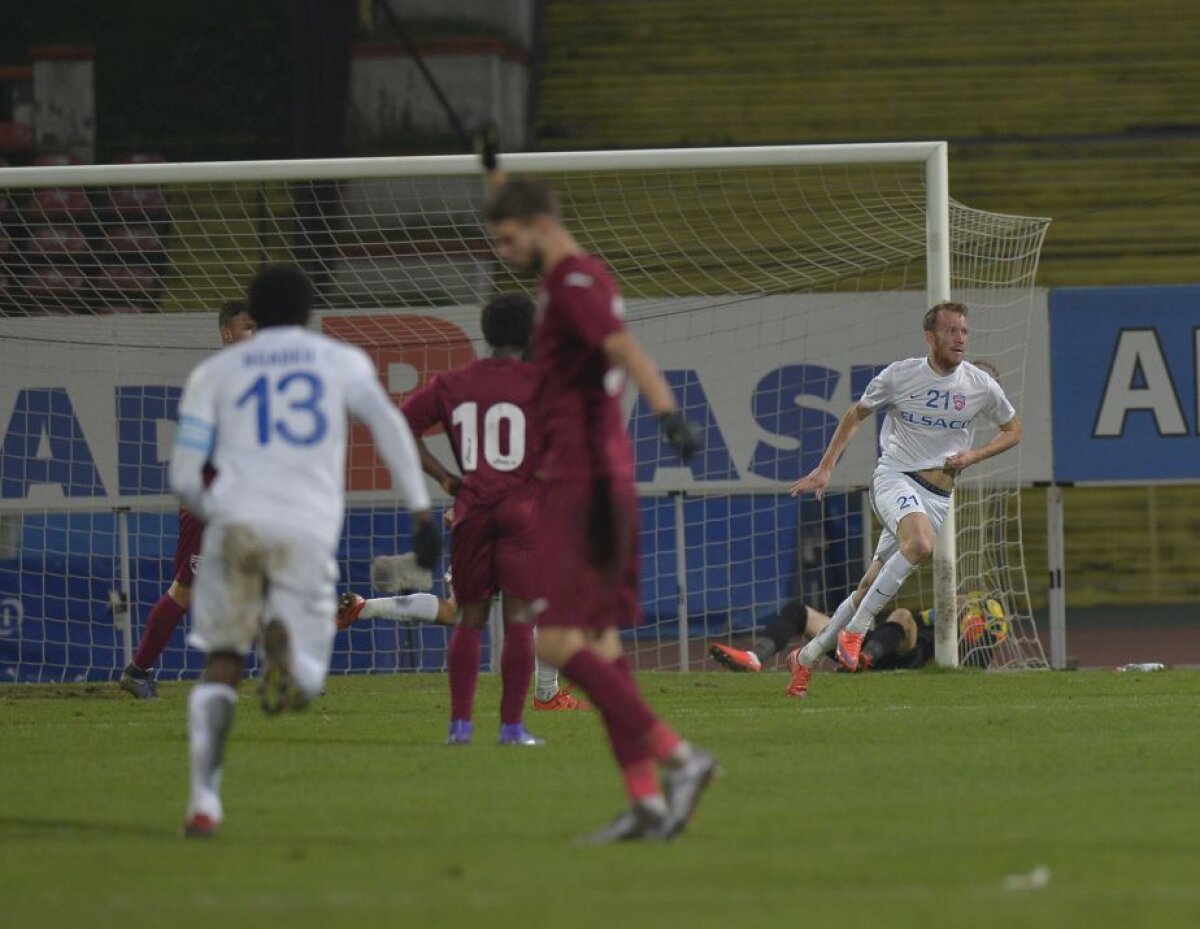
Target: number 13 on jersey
{"x": 305, "y": 423}
{"x": 467, "y": 421}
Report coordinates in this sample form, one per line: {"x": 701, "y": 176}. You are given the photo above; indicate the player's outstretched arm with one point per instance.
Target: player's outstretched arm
{"x": 625, "y": 350}
{"x": 818, "y": 479}
{"x": 1010, "y": 434}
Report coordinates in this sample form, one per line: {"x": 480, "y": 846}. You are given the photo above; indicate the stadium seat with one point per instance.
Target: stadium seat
{"x": 60, "y": 201}
{"x": 130, "y": 281}
{"x": 56, "y": 202}
{"x": 16, "y": 138}
{"x": 57, "y": 286}
{"x": 134, "y": 240}
{"x": 138, "y": 203}
{"x": 59, "y": 240}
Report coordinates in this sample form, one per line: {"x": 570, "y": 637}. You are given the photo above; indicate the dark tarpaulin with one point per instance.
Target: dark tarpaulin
{"x": 323, "y": 33}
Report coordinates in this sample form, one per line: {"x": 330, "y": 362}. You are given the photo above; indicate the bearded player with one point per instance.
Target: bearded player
{"x": 588, "y": 510}
{"x": 932, "y": 404}
{"x": 234, "y": 324}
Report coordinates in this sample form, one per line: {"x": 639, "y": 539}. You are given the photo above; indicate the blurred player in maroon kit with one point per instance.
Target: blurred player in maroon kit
{"x": 487, "y": 410}
{"x": 235, "y": 325}
{"x": 587, "y": 515}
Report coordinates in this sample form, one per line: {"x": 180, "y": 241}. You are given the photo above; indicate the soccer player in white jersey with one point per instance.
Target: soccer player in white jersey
{"x": 932, "y": 404}
{"x": 270, "y": 414}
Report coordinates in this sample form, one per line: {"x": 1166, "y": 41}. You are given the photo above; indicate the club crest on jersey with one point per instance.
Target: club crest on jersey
{"x": 959, "y": 401}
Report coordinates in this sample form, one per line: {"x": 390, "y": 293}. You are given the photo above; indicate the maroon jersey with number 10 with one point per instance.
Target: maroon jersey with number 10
{"x": 486, "y": 408}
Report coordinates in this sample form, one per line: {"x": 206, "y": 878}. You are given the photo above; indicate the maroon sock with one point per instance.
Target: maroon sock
{"x": 462, "y": 659}
{"x": 615, "y": 694}
{"x": 160, "y": 626}
{"x": 627, "y": 719}
{"x": 628, "y": 751}
{"x": 516, "y": 670}
{"x": 662, "y": 741}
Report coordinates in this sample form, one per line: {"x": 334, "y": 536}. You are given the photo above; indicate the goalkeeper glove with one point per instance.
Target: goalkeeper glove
{"x": 680, "y": 433}
{"x": 487, "y": 146}
{"x": 427, "y": 542}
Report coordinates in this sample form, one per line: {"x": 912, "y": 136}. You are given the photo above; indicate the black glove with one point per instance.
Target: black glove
{"x": 680, "y": 433}
{"x": 487, "y": 146}
{"x": 427, "y": 543}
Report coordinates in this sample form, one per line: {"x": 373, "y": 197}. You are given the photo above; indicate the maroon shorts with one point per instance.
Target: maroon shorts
{"x": 187, "y": 548}
{"x": 492, "y": 549}
{"x": 588, "y": 555}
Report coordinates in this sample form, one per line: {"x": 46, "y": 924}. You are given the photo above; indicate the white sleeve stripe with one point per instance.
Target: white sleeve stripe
{"x": 195, "y": 433}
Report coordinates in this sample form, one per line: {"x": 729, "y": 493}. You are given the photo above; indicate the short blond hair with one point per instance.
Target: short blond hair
{"x": 931, "y": 315}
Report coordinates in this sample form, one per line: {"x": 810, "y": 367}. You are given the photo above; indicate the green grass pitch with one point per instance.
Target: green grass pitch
{"x": 882, "y": 800}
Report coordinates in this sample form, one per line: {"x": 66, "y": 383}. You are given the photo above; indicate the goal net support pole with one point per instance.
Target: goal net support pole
{"x": 945, "y": 551}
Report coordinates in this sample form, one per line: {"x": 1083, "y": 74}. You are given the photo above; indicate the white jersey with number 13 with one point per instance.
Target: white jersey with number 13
{"x": 272, "y": 413}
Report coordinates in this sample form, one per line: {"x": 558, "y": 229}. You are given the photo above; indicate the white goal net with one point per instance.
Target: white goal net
{"x": 770, "y": 284}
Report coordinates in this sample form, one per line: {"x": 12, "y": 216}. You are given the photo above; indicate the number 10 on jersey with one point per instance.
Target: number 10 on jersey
{"x": 466, "y": 420}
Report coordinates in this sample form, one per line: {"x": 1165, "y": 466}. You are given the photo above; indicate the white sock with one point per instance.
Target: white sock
{"x": 895, "y": 572}
{"x": 547, "y": 681}
{"x": 422, "y": 607}
{"x": 308, "y": 673}
{"x": 824, "y": 640}
{"x": 210, "y": 717}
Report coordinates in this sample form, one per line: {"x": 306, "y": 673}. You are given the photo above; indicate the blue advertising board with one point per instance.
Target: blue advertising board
{"x": 1125, "y": 376}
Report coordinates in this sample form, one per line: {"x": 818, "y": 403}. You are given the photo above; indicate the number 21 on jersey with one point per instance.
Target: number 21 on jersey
{"x": 466, "y": 420}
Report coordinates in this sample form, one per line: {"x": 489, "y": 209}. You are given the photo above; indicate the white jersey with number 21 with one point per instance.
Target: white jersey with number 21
{"x": 930, "y": 416}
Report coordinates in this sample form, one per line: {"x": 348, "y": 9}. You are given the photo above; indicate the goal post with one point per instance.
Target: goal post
{"x": 770, "y": 282}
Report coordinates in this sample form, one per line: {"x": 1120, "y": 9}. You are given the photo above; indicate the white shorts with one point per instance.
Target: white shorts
{"x": 249, "y": 576}
{"x": 895, "y": 495}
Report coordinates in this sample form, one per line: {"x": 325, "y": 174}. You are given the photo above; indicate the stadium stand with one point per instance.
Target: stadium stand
{"x": 1086, "y": 118}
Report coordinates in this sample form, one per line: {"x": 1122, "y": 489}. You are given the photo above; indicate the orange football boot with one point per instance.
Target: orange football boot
{"x": 349, "y": 606}
{"x": 735, "y": 659}
{"x": 798, "y": 685}
{"x": 563, "y": 700}
{"x": 199, "y": 826}
{"x": 849, "y": 648}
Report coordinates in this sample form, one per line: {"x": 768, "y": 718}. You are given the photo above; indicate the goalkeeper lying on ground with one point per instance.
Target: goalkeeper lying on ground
{"x": 902, "y": 642}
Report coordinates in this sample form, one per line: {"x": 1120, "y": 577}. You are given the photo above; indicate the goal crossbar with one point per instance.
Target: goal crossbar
{"x": 213, "y": 172}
